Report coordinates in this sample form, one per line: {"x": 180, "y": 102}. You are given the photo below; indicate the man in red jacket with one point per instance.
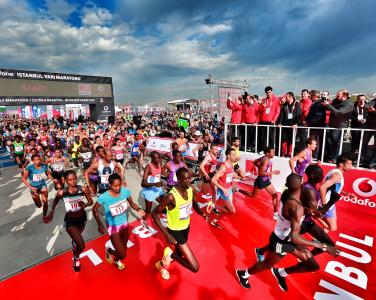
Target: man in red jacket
{"x": 250, "y": 116}
{"x": 236, "y": 106}
{"x": 268, "y": 114}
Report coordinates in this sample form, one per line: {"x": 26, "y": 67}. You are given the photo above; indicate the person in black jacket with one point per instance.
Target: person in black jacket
{"x": 290, "y": 115}
{"x": 358, "y": 120}
{"x": 340, "y": 113}
{"x": 370, "y": 124}
{"x": 316, "y": 118}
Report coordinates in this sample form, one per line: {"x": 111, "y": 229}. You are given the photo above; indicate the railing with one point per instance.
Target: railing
{"x": 274, "y": 134}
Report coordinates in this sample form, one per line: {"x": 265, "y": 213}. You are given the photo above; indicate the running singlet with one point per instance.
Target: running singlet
{"x": 105, "y": 172}
{"x": 226, "y": 179}
{"x": 115, "y": 208}
{"x": 155, "y": 175}
{"x": 86, "y": 156}
{"x": 71, "y": 202}
{"x": 135, "y": 149}
{"x": 267, "y": 168}
{"x": 18, "y": 148}
{"x": 57, "y": 166}
{"x": 203, "y": 152}
{"x": 337, "y": 187}
{"x": 211, "y": 166}
{"x": 43, "y": 140}
{"x": 119, "y": 153}
{"x": 283, "y": 227}
{"x": 75, "y": 149}
{"x": 37, "y": 177}
{"x": 301, "y": 166}
{"x": 172, "y": 179}
{"x": 178, "y": 218}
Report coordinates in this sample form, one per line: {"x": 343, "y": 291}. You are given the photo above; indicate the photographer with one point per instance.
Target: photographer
{"x": 358, "y": 120}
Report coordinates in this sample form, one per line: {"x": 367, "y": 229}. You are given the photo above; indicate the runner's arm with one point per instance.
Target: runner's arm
{"x": 167, "y": 201}
{"x": 57, "y": 198}
{"x": 195, "y": 204}
{"x": 215, "y": 178}
{"x": 144, "y": 182}
{"x": 328, "y": 183}
{"x": 203, "y": 164}
{"x": 87, "y": 194}
{"x": 294, "y": 159}
{"x": 95, "y": 210}
{"x": 93, "y": 168}
{"x": 24, "y": 179}
{"x": 135, "y": 207}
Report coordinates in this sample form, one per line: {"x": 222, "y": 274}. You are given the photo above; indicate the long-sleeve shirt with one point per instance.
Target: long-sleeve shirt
{"x": 250, "y": 113}
{"x": 305, "y": 105}
{"x": 269, "y": 110}
{"x": 290, "y": 114}
{"x": 340, "y": 113}
{"x": 237, "y": 111}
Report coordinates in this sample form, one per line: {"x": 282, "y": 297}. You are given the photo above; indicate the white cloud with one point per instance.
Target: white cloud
{"x": 59, "y": 8}
{"x": 96, "y": 17}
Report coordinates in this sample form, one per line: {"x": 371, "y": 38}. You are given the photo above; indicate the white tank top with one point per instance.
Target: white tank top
{"x": 283, "y": 227}
{"x": 105, "y": 171}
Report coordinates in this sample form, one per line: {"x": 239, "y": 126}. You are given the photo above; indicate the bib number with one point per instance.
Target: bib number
{"x": 58, "y": 167}
{"x": 175, "y": 179}
{"x": 72, "y": 204}
{"x": 18, "y": 149}
{"x": 119, "y": 156}
{"x": 229, "y": 178}
{"x": 39, "y": 177}
{"x": 185, "y": 211}
{"x": 104, "y": 178}
{"x": 154, "y": 179}
{"x": 118, "y": 208}
{"x": 212, "y": 168}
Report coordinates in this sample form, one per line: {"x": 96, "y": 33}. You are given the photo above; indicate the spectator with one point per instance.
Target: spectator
{"x": 370, "y": 124}
{"x": 305, "y": 103}
{"x": 358, "y": 120}
{"x": 268, "y": 114}
{"x": 340, "y": 114}
{"x": 316, "y": 118}
{"x": 250, "y": 116}
{"x": 290, "y": 115}
{"x": 236, "y": 107}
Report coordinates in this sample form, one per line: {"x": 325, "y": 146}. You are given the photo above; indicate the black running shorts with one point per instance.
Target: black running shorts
{"x": 181, "y": 236}
{"x": 280, "y": 247}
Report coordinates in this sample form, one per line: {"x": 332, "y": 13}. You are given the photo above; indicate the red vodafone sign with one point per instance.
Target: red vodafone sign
{"x": 362, "y": 183}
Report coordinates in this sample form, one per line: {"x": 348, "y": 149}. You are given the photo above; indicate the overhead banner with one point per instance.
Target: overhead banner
{"x": 41, "y": 88}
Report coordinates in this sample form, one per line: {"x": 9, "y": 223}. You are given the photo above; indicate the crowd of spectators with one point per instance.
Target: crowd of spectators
{"x": 333, "y": 123}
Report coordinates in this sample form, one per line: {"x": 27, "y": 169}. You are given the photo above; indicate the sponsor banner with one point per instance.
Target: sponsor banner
{"x": 361, "y": 182}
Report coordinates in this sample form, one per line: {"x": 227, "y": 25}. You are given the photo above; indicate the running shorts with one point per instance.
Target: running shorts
{"x": 180, "y": 236}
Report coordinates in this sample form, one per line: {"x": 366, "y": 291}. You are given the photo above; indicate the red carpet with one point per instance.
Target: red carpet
{"x": 219, "y": 253}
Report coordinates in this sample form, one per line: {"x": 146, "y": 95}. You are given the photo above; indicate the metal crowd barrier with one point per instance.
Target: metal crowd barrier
{"x": 235, "y": 130}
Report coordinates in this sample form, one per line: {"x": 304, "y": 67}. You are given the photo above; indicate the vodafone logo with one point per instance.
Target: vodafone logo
{"x": 364, "y": 187}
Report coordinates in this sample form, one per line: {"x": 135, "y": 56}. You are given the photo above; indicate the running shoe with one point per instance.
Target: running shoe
{"x": 109, "y": 257}
{"x": 166, "y": 260}
{"x": 76, "y": 264}
{"x": 215, "y": 210}
{"x": 119, "y": 265}
{"x": 259, "y": 256}
{"x": 216, "y": 224}
{"x": 164, "y": 273}
{"x": 280, "y": 279}
{"x": 242, "y": 280}
{"x": 210, "y": 207}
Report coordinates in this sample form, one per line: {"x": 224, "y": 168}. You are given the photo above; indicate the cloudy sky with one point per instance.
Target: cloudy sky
{"x": 164, "y": 49}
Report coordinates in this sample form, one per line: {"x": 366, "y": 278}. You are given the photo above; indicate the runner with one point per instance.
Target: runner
{"x": 263, "y": 181}
{"x": 299, "y": 162}
{"x": 286, "y": 239}
{"x": 86, "y": 154}
{"x": 332, "y": 187}
{"x": 118, "y": 151}
{"x": 105, "y": 167}
{"x": 207, "y": 171}
{"x": 115, "y": 205}
{"x": 58, "y": 164}
{"x": 222, "y": 180}
{"x": 171, "y": 167}
{"x": 18, "y": 151}
{"x": 34, "y": 177}
{"x": 135, "y": 153}
{"x": 73, "y": 150}
{"x": 178, "y": 203}
{"x": 152, "y": 185}
{"x": 75, "y": 217}
{"x": 94, "y": 177}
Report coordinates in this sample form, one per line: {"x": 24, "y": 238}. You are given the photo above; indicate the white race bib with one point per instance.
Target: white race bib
{"x": 154, "y": 179}
{"x": 289, "y": 116}
{"x": 118, "y": 208}
{"x": 104, "y": 178}
{"x": 204, "y": 153}
{"x": 119, "y": 156}
{"x": 213, "y": 168}
{"x": 18, "y": 149}
{"x": 229, "y": 178}
{"x": 58, "y": 167}
{"x": 135, "y": 149}
{"x": 86, "y": 155}
{"x": 72, "y": 203}
{"x": 175, "y": 179}
{"x": 184, "y": 211}
{"x": 39, "y": 177}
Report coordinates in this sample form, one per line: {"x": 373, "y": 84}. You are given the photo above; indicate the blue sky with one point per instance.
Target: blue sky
{"x": 161, "y": 50}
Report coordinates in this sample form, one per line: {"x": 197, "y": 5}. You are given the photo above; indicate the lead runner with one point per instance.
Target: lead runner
{"x": 178, "y": 203}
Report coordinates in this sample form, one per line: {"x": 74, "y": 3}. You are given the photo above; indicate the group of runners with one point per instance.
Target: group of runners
{"x": 102, "y": 159}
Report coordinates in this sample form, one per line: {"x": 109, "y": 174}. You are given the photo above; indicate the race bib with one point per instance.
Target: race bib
{"x": 86, "y": 155}
{"x": 104, "y": 178}
{"x": 229, "y": 178}
{"x": 135, "y": 149}
{"x": 44, "y": 143}
{"x": 267, "y": 110}
{"x": 39, "y": 177}
{"x": 360, "y": 117}
{"x": 175, "y": 179}
{"x": 72, "y": 203}
{"x": 212, "y": 168}
{"x": 18, "y": 149}
{"x": 154, "y": 179}
{"x": 119, "y": 156}
{"x": 58, "y": 167}
{"x": 184, "y": 211}
{"x": 118, "y": 208}
{"x": 289, "y": 116}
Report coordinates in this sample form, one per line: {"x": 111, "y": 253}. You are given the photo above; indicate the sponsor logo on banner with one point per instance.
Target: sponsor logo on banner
{"x": 365, "y": 187}
{"x": 84, "y": 89}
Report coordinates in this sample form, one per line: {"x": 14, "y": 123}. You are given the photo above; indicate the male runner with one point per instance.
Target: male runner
{"x": 299, "y": 162}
